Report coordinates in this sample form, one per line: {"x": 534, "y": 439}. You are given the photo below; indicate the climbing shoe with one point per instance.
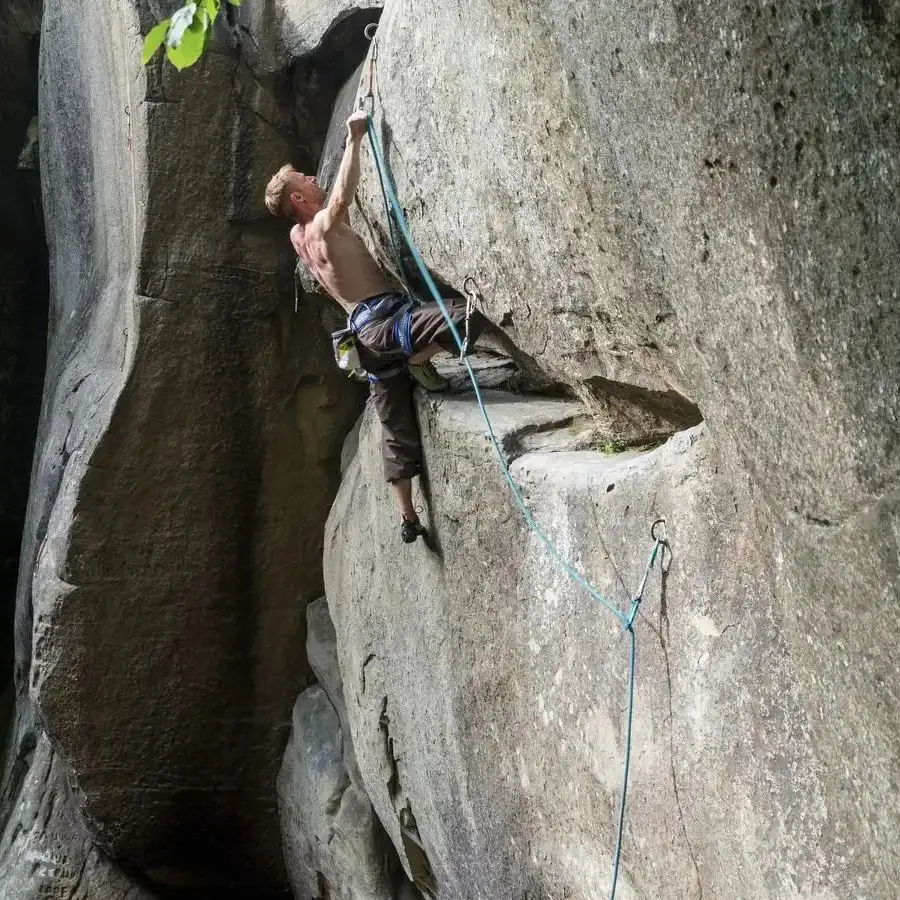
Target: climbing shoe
{"x": 409, "y": 531}
{"x": 429, "y": 377}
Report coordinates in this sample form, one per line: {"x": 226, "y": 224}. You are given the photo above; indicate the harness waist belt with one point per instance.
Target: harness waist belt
{"x": 377, "y": 308}
{"x": 394, "y": 306}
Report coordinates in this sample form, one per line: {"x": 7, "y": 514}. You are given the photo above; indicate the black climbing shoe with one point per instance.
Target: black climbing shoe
{"x": 409, "y": 531}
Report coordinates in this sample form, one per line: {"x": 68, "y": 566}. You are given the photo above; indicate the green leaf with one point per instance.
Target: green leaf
{"x": 181, "y": 21}
{"x": 190, "y": 48}
{"x": 153, "y": 41}
{"x": 235, "y": 2}
{"x": 211, "y": 7}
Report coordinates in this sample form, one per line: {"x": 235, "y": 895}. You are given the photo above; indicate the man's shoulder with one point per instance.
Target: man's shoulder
{"x": 298, "y": 238}
{"x": 321, "y": 222}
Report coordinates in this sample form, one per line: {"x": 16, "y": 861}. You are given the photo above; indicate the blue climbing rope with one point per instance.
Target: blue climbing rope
{"x": 632, "y": 654}
{"x": 396, "y": 217}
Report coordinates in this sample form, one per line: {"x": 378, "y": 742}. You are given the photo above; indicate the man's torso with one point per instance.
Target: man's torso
{"x": 340, "y": 262}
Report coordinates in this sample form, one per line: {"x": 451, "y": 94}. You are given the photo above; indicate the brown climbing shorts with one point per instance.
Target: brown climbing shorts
{"x": 401, "y": 445}
{"x": 426, "y": 326}
{"x": 392, "y": 393}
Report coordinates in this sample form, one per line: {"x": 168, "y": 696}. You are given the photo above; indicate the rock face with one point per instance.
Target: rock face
{"x": 485, "y": 692}
{"x": 661, "y": 203}
{"x": 188, "y": 452}
{"x": 321, "y": 42}
{"x": 689, "y": 211}
{"x": 682, "y": 212}
{"x": 335, "y": 848}
{"x": 663, "y": 197}
{"x": 23, "y": 298}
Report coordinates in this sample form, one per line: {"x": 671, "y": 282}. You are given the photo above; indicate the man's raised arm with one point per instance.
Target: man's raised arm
{"x": 348, "y": 175}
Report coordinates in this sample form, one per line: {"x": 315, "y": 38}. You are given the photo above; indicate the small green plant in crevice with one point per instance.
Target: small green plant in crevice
{"x": 612, "y": 446}
{"x": 185, "y": 34}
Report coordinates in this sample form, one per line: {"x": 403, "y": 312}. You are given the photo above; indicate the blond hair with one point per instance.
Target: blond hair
{"x": 278, "y": 188}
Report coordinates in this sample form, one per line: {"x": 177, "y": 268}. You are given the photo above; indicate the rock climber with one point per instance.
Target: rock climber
{"x": 396, "y": 338}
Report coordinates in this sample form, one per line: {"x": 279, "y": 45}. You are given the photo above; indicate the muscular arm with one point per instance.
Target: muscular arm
{"x": 348, "y": 175}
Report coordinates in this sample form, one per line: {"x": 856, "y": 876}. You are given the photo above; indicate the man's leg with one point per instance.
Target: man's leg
{"x": 431, "y": 332}
{"x": 401, "y": 446}
{"x": 410, "y": 526}
{"x": 403, "y": 497}
{"x": 424, "y": 322}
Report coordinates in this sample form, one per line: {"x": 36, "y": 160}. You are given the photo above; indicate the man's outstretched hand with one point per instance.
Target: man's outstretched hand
{"x": 356, "y": 125}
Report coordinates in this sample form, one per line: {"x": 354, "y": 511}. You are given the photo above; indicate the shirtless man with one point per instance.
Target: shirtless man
{"x": 396, "y": 338}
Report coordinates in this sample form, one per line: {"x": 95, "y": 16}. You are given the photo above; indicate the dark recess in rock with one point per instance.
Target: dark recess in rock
{"x": 669, "y": 406}
{"x": 318, "y": 78}
{"x": 23, "y": 302}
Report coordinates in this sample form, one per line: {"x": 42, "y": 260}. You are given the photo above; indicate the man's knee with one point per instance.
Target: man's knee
{"x": 396, "y": 469}
{"x": 400, "y": 441}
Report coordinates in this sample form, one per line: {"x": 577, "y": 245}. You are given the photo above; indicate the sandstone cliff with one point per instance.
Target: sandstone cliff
{"x": 686, "y": 214}
{"x": 679, "y": 210}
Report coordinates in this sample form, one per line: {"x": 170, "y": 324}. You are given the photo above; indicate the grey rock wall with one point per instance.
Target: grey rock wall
{"x": 188, "y": 452}
{"x": 673, "y": 197}
{"x": 486, "y": 693}
{"x": 664, "y": 204}
{"x": 334, "y": 845}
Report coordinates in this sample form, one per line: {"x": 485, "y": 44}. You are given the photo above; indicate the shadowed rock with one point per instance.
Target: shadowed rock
{"x": 188, "y": 451}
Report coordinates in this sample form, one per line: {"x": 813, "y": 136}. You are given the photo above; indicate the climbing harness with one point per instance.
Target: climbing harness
{"x": 395, "y": 307}
{"x": 657, "y": 532}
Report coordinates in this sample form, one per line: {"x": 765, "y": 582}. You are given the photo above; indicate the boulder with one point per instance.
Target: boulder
{"x": 188, "y": 452}
{"x": 321, "y": 651}
{"x": 691, "y": 210}
{"x": 334, "y": 846}
{"x": 486, "y": 692}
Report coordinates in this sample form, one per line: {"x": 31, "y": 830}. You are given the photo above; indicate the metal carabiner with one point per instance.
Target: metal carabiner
{"x": 369, "y": 32}
{"x": 471, "y": 300}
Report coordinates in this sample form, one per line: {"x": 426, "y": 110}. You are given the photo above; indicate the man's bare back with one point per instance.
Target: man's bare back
{"x": 336, "y": 255}
{"x": 323, "y": 237}
{"x": 339, "y": 260}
